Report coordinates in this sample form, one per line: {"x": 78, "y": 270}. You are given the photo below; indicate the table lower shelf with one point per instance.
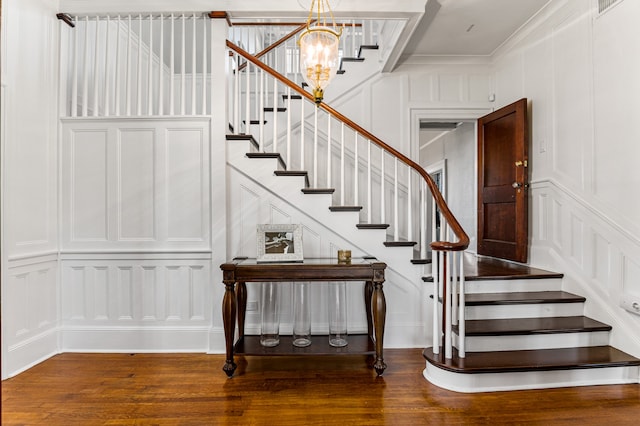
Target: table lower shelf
{"x": 359, "y": 344}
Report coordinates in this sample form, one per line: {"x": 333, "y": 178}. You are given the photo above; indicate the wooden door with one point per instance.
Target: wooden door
{"x": 503, "y": 183}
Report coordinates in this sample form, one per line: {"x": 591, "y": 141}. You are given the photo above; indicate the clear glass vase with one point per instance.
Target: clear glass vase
{"x": 270, "y": 318}
{"x": 338, "y": 314}
{"x": 301, "y": 315}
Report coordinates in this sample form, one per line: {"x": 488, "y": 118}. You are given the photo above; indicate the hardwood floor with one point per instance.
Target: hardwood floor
{"x": 192, "y": 389}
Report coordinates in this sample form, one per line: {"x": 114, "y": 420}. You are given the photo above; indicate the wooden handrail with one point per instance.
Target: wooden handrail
{"x": 463, "y": 238}
{"x": 278, "y": 43}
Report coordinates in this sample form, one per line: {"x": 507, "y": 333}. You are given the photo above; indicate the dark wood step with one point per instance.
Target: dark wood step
{"x": 372, "y": 225}
{"x": 400, "y": 243}
{"x": 527, "y": 326}
{"x": 294, "y": 173}
{"x": 532, "y": 360}
{"x": 318, "y": 190}
{"x": 270, "y": 109}
{"x": 486, "y": 268}
{"x": 533, "y": 297}
{"x": 243, "y": 137}
{"x": 421, "y": 261}
{"x": 366, "y": 47}
{"x": 254, "y": 121}
{"x": 350, "y": 59}
{"x": 345, "y": 208}
{"x": 292, "y": 97}
{"x": 275, "y": 155}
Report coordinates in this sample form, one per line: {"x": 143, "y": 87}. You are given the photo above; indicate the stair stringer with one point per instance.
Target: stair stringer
{"x": 407, "y": 308}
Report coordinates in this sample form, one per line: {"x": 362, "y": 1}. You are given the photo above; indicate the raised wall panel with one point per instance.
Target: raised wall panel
{"x": 89, "y": 185}
{"x": 74, "y": 283}
{"x": 450, "y": 88}
{"x": 185, "y": 176}
{"x": 124, "y": 301}
{"x": 631, "y": 276}
{"x": 149, "y": 293}
{"x": 421, "y": 87}
{"x": 577, "y": 239}
{"x": 198, "y": 303}
{"x": 136, "y": 185}
{"x": 556, "y": 223}
{"x": 18, "y": 311}
{"x": 601, "y": 261}
{"x": 176, "y": 289}
{"x": 479, "y": 88}
{"x": 101, "y": 293}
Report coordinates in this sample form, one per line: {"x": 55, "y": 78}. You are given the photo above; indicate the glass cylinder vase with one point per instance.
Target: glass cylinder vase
{"x": 338, "y": 314}
{"x": 301, "y": 315}
{"x": 270, "y": 318}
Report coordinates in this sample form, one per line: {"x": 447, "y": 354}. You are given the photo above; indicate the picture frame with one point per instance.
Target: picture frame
{"x": 279, "y": 243}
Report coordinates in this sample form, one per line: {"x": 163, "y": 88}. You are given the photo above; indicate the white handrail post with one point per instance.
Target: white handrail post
{"x": 437, "y": 331}
{"x": 369, "y": 195}
{"x": 247, "y": 95}
{"x": 261, "y": 110}
{"x": 315, "y": 147}
{"x": 409, "y": 206}
{"x": 396, "y": 221}
{"x": 462, "y": 313}
{"x": 448, "y": 349}
{"x": 342, "y": 166}
{"x": 328, "y": 151}
{"x": 302, "y": 124}
{"x": 356, "y": 174}
{"x": 383, "y": 179}
{"x": 288, "y": 127}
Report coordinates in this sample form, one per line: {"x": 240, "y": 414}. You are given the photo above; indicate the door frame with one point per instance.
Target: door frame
{"x": 416, "y": 114}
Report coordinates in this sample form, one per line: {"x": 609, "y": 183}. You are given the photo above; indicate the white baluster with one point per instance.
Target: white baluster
{"x": 454, "y": 289}
{"x": 275, "y": 112}
{"x": 128, "y": 88}
{"x": 423, "y": 220}
{"x": 356, "y": 164}
{"x": 409, "y": 206}
{"x": 342, "y": 166}
{"x": 302, "y": 124}
{"x": 85, "y": 77}
{"x": 261, "y": 111}
{"x": 383, "y": 179}
{"x": 203, "y": 90}
{"x": 353, "y": 39}
{"x": 107, "y": 74}
{"x": 193, "y": 65}
{"x": 369, "y": 195}
{"x": 236, "y": 91}
{"x": 288, "y": 127}
{"x": 461, "y": 320}
{"x": 74, "y": 78}
{"x": 171, "y": 67}
{"x": 247, "y": 95}
{"x": 117, "y": 72}
{"x": 150, "y": 70}
{"x": 448, "y": 349}
{"x": 139, "y": 70}
{"x": 315, "y": 147}
{"x": 328, "y": 151}
{"x": 183, "y": 63}
{"x": 396, "y": 198}
{"x": 211, "y": 85}
{"x": 161, "y": 69}
{"x": 96, "y": 48}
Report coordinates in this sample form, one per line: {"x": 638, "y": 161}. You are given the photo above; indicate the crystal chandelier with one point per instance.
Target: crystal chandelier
{"x": 319, "y": 49}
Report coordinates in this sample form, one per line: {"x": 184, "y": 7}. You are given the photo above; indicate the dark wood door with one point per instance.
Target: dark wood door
{"x": 503, "y": 183}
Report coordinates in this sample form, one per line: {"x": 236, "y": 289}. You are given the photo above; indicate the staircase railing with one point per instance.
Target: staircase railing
{"x": 367, "y": 171}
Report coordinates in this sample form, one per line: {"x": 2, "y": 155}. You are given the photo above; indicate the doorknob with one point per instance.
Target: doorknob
{"x": 516, "y": 185}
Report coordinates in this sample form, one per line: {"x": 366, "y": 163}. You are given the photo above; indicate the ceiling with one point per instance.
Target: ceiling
{"x": 469, "y": 27}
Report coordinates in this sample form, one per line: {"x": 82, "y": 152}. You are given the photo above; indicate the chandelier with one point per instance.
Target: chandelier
{"x": 319, "y": 48}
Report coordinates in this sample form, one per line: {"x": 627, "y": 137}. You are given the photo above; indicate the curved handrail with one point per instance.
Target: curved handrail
{"x": 463, "y": 238}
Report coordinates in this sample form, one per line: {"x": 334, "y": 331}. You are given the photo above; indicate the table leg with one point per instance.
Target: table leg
{"x": 379, "y": 310}
{"x": 241, "y": 297}
{"x": 368, "y": 294}
{"x": 229, "y": 320}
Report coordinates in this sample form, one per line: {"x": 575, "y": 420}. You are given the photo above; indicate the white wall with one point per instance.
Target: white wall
{"x": 579, "y": 72}
{"x": 29, "y": 184}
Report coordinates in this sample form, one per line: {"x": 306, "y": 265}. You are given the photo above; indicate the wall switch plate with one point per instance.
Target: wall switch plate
{"x": 631, "y": 304}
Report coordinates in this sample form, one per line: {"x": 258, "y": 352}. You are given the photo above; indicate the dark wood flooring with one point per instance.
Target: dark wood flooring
{"x": 191, "y": 389}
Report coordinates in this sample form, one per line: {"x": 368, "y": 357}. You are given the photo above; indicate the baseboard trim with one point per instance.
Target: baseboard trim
{"x": 24, "y": 355}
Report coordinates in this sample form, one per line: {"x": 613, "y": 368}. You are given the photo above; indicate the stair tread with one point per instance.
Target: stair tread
{"x": 345, "y": 208}
{"x": 421, "y": 261}
{"x": 533, "y": 297}
{"x": 532, "y": 360}
{"x": 294, "y": 173}
{"x": 275, "y": 155}
{"x": 400, "y": 243}
{"x": 318, "y": 190}
{"x": 525, "y": 326}
{"x": 243, "y": 137}
{"x": 372, "y": 225}
{"x": 487, "y": 268}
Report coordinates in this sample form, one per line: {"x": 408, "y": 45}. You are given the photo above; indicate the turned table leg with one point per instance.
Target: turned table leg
{"x": 229, "y": 320}
{"x": 379, "y": 310}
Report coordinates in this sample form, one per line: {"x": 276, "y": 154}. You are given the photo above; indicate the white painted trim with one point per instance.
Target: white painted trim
{"x": 494, "y": 382}
{"x": 28, "y": 353}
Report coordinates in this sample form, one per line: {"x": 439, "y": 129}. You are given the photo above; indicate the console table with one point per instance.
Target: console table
{"x": 234, "y": 305}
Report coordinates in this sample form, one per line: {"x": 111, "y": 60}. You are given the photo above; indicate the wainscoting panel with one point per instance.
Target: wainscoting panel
{"x": 30, "y": 321}
{"x": 136, "y": 184}
{"x": 138, "y": 302}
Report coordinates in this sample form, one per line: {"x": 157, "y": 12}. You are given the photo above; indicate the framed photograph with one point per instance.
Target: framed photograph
{"x": 279, "y": 243}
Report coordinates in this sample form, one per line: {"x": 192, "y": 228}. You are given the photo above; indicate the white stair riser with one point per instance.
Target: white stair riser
{"x": 534, "y": 341}
{"x": 524, "y": 311}
{"x": 509, "y": 286}
{"x": 492, "y": 382}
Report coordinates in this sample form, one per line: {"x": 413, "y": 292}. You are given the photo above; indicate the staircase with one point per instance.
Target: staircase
{"x": 520, "y": 331}
{"x": 524, "y": 332}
